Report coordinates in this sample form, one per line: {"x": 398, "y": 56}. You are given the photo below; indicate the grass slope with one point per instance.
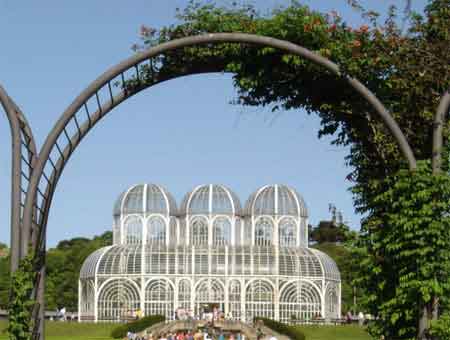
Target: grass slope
{"x": 76, "y": 331}
{"x": 344, "y": 332}
{"x": 71, "y": 331}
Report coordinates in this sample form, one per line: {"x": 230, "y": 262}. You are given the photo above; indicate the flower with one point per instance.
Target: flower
{"x": 147, "y": 31}
{"x": 332, "y": 28}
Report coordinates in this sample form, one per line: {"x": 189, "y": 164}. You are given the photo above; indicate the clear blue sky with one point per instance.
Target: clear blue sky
{"x": 178, "y": 134}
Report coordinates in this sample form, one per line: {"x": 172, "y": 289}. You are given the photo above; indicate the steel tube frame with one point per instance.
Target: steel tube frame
{"x": 19, "y": 127}
{"x": 16, "y": 169}
{"x": 34, "y": 232}
{"x": 439, "y": 121}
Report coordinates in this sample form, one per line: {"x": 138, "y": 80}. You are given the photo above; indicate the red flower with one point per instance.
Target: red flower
{"x": 364, "y": 28}
{"x": 332, "y": 28}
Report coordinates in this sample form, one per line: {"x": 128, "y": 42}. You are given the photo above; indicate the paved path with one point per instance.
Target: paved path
{"x": 226, "y": 326}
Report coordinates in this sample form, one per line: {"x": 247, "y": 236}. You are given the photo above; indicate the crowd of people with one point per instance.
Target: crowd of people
{"x": 197, "y": 335}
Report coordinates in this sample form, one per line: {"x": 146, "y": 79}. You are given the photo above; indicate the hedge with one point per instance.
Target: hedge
{"x": 290, "y": 331}
{"x": 136, "y": 326}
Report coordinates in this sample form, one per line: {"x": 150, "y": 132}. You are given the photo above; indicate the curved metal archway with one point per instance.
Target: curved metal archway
{"x": 74, "y": 124}
{"x": 98, "y": 99}
{"x": 439, "y": 120}
{"x": 23, "y": 159}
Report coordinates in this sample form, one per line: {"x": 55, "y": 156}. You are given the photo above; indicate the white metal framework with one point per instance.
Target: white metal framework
{"x": 248, "y": 262}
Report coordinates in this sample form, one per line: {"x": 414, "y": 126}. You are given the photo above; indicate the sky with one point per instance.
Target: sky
{"x": 178, "y": 134}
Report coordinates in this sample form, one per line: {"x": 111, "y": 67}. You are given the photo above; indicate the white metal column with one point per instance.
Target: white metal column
{"x": 277, "y": 300}
{"x": 79, "y": 300}
{"x": 96, "y": 299}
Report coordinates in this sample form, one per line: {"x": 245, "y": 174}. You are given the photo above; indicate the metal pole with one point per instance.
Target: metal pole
{"x": 16, "y": 170}
{"x": 439, "y": 120}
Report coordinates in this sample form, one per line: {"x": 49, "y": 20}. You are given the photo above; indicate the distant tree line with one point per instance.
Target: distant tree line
{"x": 63, "y": 269}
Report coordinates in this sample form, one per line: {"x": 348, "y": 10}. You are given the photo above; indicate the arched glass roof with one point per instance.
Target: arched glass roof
{"x": 89, "y": 267}
{"x": 145, "y": 199}
{"x": 128, "y": 260}
{"x": 276, "y": 200}
{"x": 211, "y": 199}
{"x": 329, "y": 266}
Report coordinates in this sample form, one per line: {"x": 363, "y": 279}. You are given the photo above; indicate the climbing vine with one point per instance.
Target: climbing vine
{"x": 21, "y": 306}
{"x": 404, "y": 250}
{"x": 404, "y": 238}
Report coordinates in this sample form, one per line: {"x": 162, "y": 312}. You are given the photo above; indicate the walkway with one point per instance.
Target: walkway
{"x": 219, "y": 326}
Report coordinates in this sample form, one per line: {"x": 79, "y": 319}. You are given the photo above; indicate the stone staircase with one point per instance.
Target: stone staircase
{"x": 248, "y": 330}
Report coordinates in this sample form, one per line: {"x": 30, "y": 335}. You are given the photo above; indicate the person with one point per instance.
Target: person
{"x": 348, "y": 317}
{"x": 360, "y": 318}
{"x": 238, "y": 336}
{"x": 221, "y": 336}
{"x": 198, "y": 335}
{"x": 259, "y": 334}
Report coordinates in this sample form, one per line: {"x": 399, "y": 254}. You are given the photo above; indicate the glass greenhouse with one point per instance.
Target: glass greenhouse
{"x": 248, "y": 261}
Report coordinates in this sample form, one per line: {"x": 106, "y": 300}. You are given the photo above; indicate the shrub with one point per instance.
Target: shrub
{"x": 290, "y": 331}
{"x": 136, "y": 326}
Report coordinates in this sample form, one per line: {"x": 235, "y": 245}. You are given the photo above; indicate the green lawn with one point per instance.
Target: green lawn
{"x": 343, "y": 332}
{"x": 71, "y": 331}
{"x": 76, "y": 331}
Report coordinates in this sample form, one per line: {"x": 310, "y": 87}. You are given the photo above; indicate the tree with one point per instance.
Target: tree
{"x": 4, "y": 282}
{"x": 408, "y": 71}
{"x": 328, "y": 231}
{"x": 405, "y": 251}
{"x": 63, "y": 269}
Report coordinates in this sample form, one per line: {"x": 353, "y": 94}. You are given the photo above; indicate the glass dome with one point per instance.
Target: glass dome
{"x": 145, "y": 199}
{"x": 210, "y": 199}
{"x": 276, "y": 200}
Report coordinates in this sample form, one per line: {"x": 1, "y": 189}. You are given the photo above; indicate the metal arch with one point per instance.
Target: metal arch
{"x": 34, "y": 224}
{"x": 439, "y": 120}
{"x": 22, "y": 137}
{"x": 134, "y": 62}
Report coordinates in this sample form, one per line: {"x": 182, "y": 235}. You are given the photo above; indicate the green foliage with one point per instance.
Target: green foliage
{"x": 293, "y": 332}
{"x": 136, "y": 326}
{"x": 328, "y": 231}
{"x": 4, "y": 282}
{"x": 21, "y": 306}
{"x": 407, "y": 70}
{"x": 404, "y": 250}
{"x": 63, "y": 269}
{"x": 440, "y": 329}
